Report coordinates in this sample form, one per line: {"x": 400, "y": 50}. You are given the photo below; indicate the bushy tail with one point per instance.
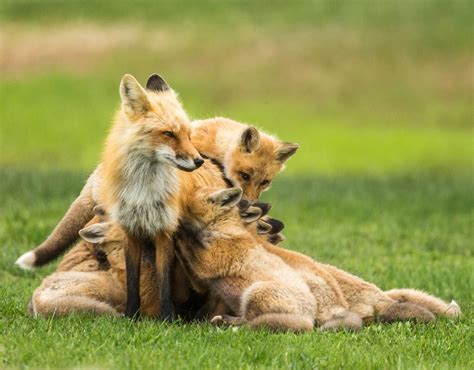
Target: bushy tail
{"x": 433, "y": 304}
{"x": 282, "y": 322}
{"x": 65, "y": 233}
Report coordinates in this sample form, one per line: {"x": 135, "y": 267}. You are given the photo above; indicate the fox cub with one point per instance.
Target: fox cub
{"x": 220, "y": 255}
{"x": 265, "y": 285}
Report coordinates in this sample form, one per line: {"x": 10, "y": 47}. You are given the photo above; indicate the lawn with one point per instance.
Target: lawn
{"x": 380, "y": 99}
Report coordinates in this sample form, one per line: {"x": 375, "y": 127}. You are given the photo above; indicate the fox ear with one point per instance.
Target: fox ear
{"x": 249, "y": 140}
{"x": 265, "y": 207}
{"x": 156, "y": 83}
{"x": 276, "y": 225}
{"x": 95, "y": 233}
{"x": 263, "y": 228}
{"x": 99, "y": 210}
{"x": 276, "y": 238}
{"x": 251, "y": 214}
{"x": 227, "y": 198}
{"x": 134, "y": 98}
{"x": 285, "y": 151}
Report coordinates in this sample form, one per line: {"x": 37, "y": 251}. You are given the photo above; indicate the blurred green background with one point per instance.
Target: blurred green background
{"x": 378, "y": 93}
{"x": 362, "y": 85}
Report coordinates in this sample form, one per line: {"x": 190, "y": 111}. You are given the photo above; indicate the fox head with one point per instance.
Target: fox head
{"x": 156, "y": 123}
{"x": 256, "y": 160}
{"x": 210, "y": 206}
{"x": 100, "y": 230}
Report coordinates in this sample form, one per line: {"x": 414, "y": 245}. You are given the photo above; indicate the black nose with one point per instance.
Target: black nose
{"x": 198, "y": 162}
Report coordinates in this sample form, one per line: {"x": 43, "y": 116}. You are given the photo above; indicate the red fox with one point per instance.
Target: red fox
{"x": 92, "y": 277}
{"x": 252, "y": 159}
{"x": 224, "y": 258}
{"x": 149, "y": 140}
{"x": 218, "y": 259}
{"x": 89, "y": 279}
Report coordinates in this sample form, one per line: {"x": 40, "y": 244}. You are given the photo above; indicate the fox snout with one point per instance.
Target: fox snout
{"x": 188, "y": 164}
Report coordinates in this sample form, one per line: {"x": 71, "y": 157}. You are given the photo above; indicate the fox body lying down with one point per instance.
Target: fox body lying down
{"x": 91, "y": 278}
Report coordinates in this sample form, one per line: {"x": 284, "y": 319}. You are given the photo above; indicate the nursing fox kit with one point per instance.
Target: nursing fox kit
{"x": 170, "y": 217}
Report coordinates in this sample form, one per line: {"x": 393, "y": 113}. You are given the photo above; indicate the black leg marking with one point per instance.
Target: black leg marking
{"x": 132, "y": 309}
{"x": 166, "y": 302}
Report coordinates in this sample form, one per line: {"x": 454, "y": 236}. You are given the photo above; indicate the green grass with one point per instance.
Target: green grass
{"x": 397, "y": 231}
{"x": 378, "y": 94}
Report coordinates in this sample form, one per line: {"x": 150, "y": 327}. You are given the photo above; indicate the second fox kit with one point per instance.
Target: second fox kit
{"x": 225, "y": 259}
{"x": 220, "y": 256}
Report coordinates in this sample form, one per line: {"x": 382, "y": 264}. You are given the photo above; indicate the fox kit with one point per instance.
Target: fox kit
{"x": 248, "y": 158}
{"x": 220, "y": 255}
{"x": 149, "y": 140}
{"x": 92, "y": 277}
{"x": 362, "y": 298}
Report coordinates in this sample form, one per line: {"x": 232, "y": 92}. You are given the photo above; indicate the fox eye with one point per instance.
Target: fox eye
{"x": 245, "y": 176}
{"x": 265, "y": 183}
{"x": 169, "y": 133}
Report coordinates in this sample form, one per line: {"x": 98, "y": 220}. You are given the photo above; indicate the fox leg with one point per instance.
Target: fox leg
{"x": 282, "y": 322}
{"x": 278, "y": 308}
{"x": 133, "y": 257}
{"x": 70, "y": 304}
{"x": 433, "y": 304}
{"x": 346, "y": 319}
{"x": 212, "y": 308}
{"x": 64, "y": 293}
{"x": 403, "y": 311}
{"x": 273, "y": 321}
{"x": 149, "y": 283}
{"x": 164, "y": 265}
{"x": 227, "y": 320}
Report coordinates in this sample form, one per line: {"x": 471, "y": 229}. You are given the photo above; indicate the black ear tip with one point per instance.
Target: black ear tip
{"x": 156, "y": 83}
{"x": 251, "y": 131}
{"x": 277, "y": 225}
{"x": 265, "y": 207}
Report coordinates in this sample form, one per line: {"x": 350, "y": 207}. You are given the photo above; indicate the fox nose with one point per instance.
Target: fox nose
{"x": 198, "y": 162}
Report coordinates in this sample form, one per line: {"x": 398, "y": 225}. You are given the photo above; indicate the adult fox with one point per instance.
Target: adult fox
{"x": 136, "y": 183}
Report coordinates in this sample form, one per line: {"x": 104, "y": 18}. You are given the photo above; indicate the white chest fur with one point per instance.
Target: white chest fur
{"x": 143, "y": 206}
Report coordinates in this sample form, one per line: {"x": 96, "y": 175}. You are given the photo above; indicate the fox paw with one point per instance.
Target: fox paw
{"x": 346, "y": 321}
{"x": 226, "y": 320}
